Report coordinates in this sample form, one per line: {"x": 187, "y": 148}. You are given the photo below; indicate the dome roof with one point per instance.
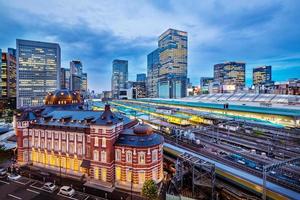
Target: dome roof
{"x": 62, "y": 97}
{"x": 143, "y": 129}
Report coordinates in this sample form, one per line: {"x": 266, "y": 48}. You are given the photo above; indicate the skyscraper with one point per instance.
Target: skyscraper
{"x": 38, "y": 71}
{"x": 64, "y": 78}
{"x": 84, "y": 83}
{"x": 262, "y": 75}
{"x": 75, "y": 75}
{"x": 231, "y": 75}
{"x": 119, "y": 76}
{"x": 172, "y": 46}
{"x": 152, "y": 73}
{"x": 141, "y": 77}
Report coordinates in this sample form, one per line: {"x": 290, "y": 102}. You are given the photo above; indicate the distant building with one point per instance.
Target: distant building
{"x": 106, "y": 95}
{"x": 231, "y": 76}
{"x": 204, "y": 84}
{"x": 8, "y": 74}
{"x": 172, "y": 87}
{"x": 84, "y": 83}
{"x": 139, "y": 90}
{"x": 152, "y": 73}
{"x": 64, "y": 78}
{"x": 119, "y": 77}
{"x": 172, "y": 46}
{"x": 262, "y": 75}
{"x": 141, "y": 77}
{"x": 35, "y": 80}
{"x": 75, "y": 75}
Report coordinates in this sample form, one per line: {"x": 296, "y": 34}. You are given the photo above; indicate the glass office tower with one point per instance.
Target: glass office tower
{"x": 231, "y": 75}
{"x": 152, "y": 73}
{"x": 262, "y": 75}
{"x": 38, "y": 71}
{"x": 84, "y": 83}
{"x": 172, "y": 46}
{"x": 75, "y": 75}
{"x": 119, "y": 76}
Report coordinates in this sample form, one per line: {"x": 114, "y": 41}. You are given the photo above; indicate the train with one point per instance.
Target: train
{"x": 239, "y": 181}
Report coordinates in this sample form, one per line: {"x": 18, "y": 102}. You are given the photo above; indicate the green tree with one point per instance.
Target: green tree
{"x": 150, "y": 190}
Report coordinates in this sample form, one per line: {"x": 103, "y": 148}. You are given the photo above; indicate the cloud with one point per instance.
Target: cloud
{"x": 96, "y": 32}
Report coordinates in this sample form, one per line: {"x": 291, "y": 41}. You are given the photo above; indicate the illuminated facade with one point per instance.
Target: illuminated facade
{"x": 119, "y": 77}
{"x": 231, "y": 75}
{"x": 152, "y": 73}
{"x": 8, "y": 74}
{"x": 172, "y": 46}
{"x": 84, "y": 83}
{"x": 103, "y": 146}
{"x": 204, "y": 84}
{"x": 38, "y": 70}
{"x": 262, "y": 75}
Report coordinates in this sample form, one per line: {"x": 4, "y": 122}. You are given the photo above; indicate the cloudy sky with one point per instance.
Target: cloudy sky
{"x": 258, "y": 32}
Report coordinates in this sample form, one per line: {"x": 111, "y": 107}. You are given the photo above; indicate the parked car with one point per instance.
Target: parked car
{"x": 3, "y": 171}
{"x": 49, "y": 186}
{"x": 13, "y": 177}
{"x": 67, "y": 190}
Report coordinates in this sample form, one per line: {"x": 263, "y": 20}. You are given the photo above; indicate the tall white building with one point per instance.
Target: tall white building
{"x": 38, "y": 71}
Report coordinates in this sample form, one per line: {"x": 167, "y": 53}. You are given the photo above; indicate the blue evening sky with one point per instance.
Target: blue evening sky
{"x": 258, "y": 32}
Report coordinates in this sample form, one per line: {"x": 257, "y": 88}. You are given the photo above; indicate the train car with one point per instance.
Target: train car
{"x": 234, "y": 179}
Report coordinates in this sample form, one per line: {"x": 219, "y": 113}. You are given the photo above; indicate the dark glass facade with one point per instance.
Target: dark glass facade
{"x": 119, "y": 76}
{"x": 152, "y": 73}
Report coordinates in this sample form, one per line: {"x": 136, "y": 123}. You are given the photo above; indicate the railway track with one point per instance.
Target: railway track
{"x": 202, "y": 152}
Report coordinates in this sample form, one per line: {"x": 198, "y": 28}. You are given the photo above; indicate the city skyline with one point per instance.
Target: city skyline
{"x": 256, "y": 33}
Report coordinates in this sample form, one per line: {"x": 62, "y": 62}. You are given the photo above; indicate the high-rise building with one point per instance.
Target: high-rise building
{"x": 172, "y": 87}
{"x": 139, "y": 89}
{"x": 141, "y": 77}
{"x": 152, "y": 73}
{"x": 75, "y": 75}
{"x": 204, "y": 84}
{"x": 172, "y": 46}
{"x": 231, "y": 75}
{"x": 64, "y": 78}
{"x": 38, "y": 71}
{"x": 84, "y": 83}
{"x": 119, "y": 76}
{"x": 262, "y": 75}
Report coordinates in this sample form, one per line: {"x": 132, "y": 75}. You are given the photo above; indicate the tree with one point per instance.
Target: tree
{"x": 150, "y": 190}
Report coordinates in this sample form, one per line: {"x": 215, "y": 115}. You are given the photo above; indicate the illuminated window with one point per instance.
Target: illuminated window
{"x": 71, "y": 136}
{"x": 118, "y": 173}
{"x": 63, "y": 147}
{"x": 63, "y": 136}
{"x": 141, "y": 177}
{"x": 42, "y": 143}
{"x": 141, "y": 157}
{"x": 104, "y": 142}
{"x": 49, "y": 145}
{"x": 96, "y": 142}
{"x": 79, "y": 137}
{"x": 96, "y": 173}
{"x": 103, "y": 174}
{"x": 96, "y": 155}
{"x": 118, "y": 155}
{"x": 128, "y": 156}
{"x": 154, "y": 155}
{"x": 103, "y": 156}
{"x": 128, "y": 175}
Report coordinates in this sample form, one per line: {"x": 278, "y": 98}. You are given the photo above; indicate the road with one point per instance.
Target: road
{"x": 27, "y": 189}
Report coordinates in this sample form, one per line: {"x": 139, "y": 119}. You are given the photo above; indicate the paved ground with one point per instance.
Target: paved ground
{"x": 28, "y": 189}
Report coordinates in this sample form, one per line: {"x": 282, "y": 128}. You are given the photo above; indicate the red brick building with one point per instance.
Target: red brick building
{"x": 106, "y": 147}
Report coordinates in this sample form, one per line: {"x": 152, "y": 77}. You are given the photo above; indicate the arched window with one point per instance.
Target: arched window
{"x": 104, "y": 142}
{"x": 128, "y": 156}
{"x": 118, "y": 155}
{"x": 25, "y": 142}
{"x": 96, "y": 155}
{"x": 141, "y": 157}
{"x": 103, "y": 156}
